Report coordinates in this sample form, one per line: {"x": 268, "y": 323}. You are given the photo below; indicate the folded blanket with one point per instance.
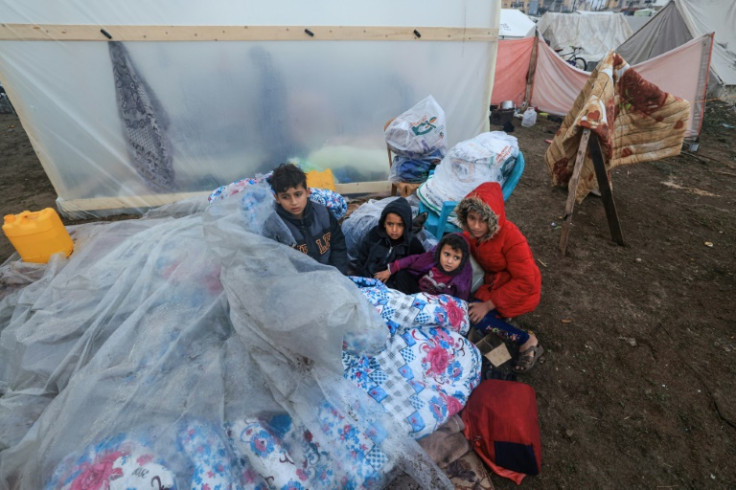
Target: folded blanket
{"x": 448, "y": 443}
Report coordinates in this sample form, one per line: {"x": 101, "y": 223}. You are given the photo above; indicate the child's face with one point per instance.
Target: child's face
{"x": 477, "y": 227}
{"x": 394, "y": 226}
{"x": 450, "y": 258}
{"x": 293, "y": 200}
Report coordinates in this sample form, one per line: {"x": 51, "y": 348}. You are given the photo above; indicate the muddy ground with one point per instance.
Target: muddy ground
{"x": 638, "y": 384}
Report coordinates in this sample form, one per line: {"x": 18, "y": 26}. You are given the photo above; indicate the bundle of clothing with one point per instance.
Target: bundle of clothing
{"x": 418, "y": 139}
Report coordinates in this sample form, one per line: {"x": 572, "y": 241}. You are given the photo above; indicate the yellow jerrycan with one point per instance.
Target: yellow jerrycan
{"x": 37, "y": 235}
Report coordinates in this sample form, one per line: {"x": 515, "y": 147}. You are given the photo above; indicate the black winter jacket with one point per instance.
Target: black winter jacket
{"x": 317, "y": 234}
{"x": 377, "y": 250}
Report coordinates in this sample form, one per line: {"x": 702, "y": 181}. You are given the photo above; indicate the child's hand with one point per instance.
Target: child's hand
{"x": 382, "y": 276}
{"x": 476, "y": 311}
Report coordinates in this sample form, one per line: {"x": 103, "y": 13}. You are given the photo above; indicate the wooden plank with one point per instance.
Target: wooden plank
{"x": 51, "y": 32}
{"x": 70, "y": 207}
{"x": 605, "y": 188}
{"x": 374, "y": 187}
{"x": 572, "y": 189}
{"x": 75, "y": 206}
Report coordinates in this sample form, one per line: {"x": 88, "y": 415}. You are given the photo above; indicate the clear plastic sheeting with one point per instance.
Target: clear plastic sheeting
{"x": 182, "y": 349}
{"x": 128, "y": 125}
{"x": 362, "y": 220}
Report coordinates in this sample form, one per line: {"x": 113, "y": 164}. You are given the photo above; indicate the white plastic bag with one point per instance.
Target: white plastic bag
{"x": 529, "y": 118}
{"x": 488, "y": 157}
{"x": 418, "y": 131}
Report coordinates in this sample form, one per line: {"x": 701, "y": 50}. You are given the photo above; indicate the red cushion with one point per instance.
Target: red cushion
{"x": 502, "y": 426}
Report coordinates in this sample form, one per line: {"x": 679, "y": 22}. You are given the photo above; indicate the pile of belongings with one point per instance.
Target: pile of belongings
{"x": 418, "y": 139}
{"x": 488, "y": 157}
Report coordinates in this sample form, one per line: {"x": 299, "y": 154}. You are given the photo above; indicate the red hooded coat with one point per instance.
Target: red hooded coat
{"x": 512, "y": 279}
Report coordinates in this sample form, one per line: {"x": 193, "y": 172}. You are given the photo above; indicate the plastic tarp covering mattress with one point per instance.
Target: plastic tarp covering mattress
{"x": 127, "y": 104}
{"x": 596, "y": 33}
{"x": 682, "y": 20}
{"x": 682, "y": 72}
{"x": 185, "y": 350}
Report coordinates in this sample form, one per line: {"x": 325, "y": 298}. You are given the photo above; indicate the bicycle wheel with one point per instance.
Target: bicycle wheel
{"x": 580, "y": 63}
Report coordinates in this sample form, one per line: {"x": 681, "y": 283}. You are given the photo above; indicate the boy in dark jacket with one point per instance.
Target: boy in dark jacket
{"x": 391, "y": 239}
{"x": 309, "y": 226}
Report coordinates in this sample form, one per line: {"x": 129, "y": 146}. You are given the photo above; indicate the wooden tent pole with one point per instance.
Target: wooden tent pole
{"x": 589, "y": 142}
{"x": 531, "y": 71}
{"x": 572, "y": 189}
{"x": 605, "y": 188}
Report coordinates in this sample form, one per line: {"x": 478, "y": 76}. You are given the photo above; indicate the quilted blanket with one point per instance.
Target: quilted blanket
{"x": 428, "y": 369}
{"x": 634, "y": 120}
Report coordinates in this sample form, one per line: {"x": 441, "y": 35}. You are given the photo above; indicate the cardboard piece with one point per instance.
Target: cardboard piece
{"x": 498, "y": 355}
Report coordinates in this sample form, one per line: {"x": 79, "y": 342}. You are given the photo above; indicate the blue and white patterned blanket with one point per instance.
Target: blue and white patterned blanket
{"x": 428, "y": 369}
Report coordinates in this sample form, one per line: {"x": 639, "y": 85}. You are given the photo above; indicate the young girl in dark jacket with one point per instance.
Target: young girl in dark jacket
{"x": 391, "y": 239}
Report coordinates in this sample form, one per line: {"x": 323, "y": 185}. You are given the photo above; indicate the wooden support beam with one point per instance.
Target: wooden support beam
{"x": 52, "y": 32}
{"x": 122, "y": 204}
{"x": 572, "y": 189}
{"x": 605, "y": 189}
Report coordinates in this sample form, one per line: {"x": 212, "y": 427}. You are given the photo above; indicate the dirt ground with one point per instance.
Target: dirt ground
{"x": 638, "y": 384}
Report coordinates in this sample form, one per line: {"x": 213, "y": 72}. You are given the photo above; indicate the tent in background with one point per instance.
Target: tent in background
{"x": 597, "y": 33}
{"x": 512, "y": 70}
{"x": 636, "y": 23}
{"x": 515, "y": 24}
{"x": 555, "y": 84}
{"x": 679, "y": 22}
{"x": 174, "y": 101}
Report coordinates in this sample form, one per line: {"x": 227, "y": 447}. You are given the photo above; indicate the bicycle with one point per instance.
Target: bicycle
{"x": 572, "y": 59}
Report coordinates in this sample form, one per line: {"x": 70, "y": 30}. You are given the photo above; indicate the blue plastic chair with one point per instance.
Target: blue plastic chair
{"x": 438, "y": 224}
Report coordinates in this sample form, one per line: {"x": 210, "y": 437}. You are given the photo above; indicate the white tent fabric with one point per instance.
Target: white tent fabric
{"x": 636, "y": 23}
{"x": 557, "y": 84}
{"x": 515, "y": 24}
{"x": 216, "y": 110}
{"x": 682, "y": 20}
{"x": 596, "y": 33}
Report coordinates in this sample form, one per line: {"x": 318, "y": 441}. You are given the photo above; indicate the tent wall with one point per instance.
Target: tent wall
{"x": 240, "y": 86}
{"x": 596, "y": 33}
{"x": 515, "y": 24}
{"x": 512, "y": 69}
{"x": 682, "y": 20}
{"x": 663, "y": 32}
{"x": 556, "y": 84}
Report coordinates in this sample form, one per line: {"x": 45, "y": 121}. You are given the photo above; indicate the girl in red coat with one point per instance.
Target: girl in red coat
{"x": 512, "y": 283}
